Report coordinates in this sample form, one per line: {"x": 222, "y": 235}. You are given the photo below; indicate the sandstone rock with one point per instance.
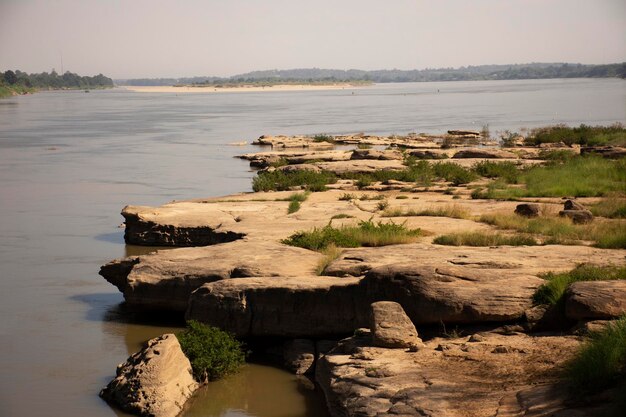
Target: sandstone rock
{"x": 484, "y": 153}
{"x": 390, "y": 326}
{"x": 587, "y": 300}
{"x": 176, "y": 225}
{"x": 299, "y": 356}
{"x": 612, "y": 152}
{"x": 155, "y": 381}
{"x": 300, "y": 167}
{"x": 577, "y": 216}
{"x": 298, "y": 307}
{"x": 528, "y": 209}
{"x": 431, "y": 295}
{"x": 573, "y": 205}
{"x": 376, "y": 154}
{"x": 429, "y": 153}
{"x": 165, "y": 280}
{"x": 291, "y": 142}
{"x": 586, "y": 328}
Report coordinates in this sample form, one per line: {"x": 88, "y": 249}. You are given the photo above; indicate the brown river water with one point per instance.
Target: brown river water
{"x": 69, "y": 162}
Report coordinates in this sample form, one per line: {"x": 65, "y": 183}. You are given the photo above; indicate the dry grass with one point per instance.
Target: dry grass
{"x": 330, "y": 253}
{"x": 484, "y": 239}
{"x": 452, "y": 210}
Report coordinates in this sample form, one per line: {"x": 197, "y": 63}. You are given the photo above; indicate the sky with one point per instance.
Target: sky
{"x": 152, "y": 38}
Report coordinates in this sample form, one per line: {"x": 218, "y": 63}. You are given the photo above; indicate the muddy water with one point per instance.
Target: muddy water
{"x": 70, "y": 161}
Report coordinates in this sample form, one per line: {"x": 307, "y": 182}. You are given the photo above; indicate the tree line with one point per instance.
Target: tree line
{"x": 53, "y": 80}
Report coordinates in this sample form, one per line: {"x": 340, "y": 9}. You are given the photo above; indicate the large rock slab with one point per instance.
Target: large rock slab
{"x": 390, "y": 326}
{"x": 165, "y": 279}
{"x": 155, "y": 381}
{"x": 589, "y": 300}
{"x": 446, "y": 378}
{"x": 292, "y": 142}
{"x": 449, "y": 294}
{"x": 297, "y": 307}
{"x": 181, "y": 224}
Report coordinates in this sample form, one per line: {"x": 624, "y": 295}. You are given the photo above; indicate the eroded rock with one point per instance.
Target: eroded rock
{"x": 587, "y": 300}
{"x": 390, "y": 326}
{"x": 155, "y": 381}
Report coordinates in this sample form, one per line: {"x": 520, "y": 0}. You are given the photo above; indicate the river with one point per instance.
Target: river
{"x": 69, "y": 162}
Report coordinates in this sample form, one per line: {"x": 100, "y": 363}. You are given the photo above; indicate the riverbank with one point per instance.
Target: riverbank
{"x": 243, "y": 88}
{"x": 329, "y": 232}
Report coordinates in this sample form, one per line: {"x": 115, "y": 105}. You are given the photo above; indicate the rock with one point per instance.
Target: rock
{"x": 165, "y": 280}
{"x": 586, "y": 328}
{"x": 484, "y": 153}
{"x": 612, "y": 152}
{"x": 431, "y": 295}
{"x": 299, "y": 356}
{"x": 177, "y": 225}
{"x": 573, "y": 205}
{"x": 577, "y": 216}
{"x": 476, "y": 338}
{"x": 429, "y": 153}
{"x": 324, "y": 346}
{"x": 464, "y": 133}
{"x": 588, "y": 300}
{"x": 156, "y": 381}
{"x": 361, "y": 166}
{"x": 300, "y": 167}
{"x": 528, "y": 209}
{"x": 376, "y": 154}
{"x": 295, "y": 307}
{"x": 390, "y": 326}
{"x": 292, "y": 142}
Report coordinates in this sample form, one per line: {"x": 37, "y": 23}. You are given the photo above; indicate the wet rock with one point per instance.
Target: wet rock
{"x": 390, "y": 326}
{"x": 299, "y": 356}
{"x": 485, "y": 154}
{"x": 156, "y": 381}
{"x": 577, "y": 216}
{"x": 587, "y": 300}
{"x": 528, "y": 209}
{"x": 299, "y": 307}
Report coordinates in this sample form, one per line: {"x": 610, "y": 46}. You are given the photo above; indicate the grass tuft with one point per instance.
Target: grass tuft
{"x": 366, "y": 233}
{"x": 330, "y": 252}
{"x": 454, "y": 211}
{"x": 212, "y": 352}
{"x": 484, "y": 239}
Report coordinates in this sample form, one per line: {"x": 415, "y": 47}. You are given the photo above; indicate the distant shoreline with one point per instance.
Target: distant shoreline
{"x": 243, "y": 88}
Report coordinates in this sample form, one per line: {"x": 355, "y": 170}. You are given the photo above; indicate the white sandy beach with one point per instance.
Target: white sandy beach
{"x": 212, "y": 89}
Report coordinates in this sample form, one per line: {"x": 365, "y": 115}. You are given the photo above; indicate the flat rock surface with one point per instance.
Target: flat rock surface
{"x": 155, "y": 381}
{"x": 448, "y": 377}
{"x": 588, "y": 300}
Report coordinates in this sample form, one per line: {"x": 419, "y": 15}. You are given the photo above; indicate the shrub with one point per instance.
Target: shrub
{"x": 484, "y": 239}
{"x": 506, "y": 170}
{"x": 212, "y": 352}
{"x": 600, "y": 360}
{"x": 582, "y": 135}
{"x": 552, "y": 291}
{"x": 454, "y": 173}
{"x": 366, "y": 233}
{"x": 323, "y": 138}
{"x": 284, "y": 180}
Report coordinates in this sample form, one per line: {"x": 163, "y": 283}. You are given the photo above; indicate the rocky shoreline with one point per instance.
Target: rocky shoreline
{"x": 500, "y": 351}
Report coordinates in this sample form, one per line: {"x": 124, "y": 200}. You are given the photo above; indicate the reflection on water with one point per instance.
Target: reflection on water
{"x": 70, "y": 161}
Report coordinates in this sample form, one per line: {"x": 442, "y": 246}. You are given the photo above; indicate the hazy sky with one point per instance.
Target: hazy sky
{"x": 149, "y": 38}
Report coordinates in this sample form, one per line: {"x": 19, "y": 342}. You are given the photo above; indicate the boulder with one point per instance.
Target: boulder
{"x": 299, "y": 356}
{"x": 528, "y": 209}
{"x": 484, "y": 153}
{"x": 573, "y": 205}
{"x": 156, "y": 381}
{"x": 589, "y": 300}
{"x": 428, "y": 153}
{"x": 165, "y": 280}
{"x": 431, "y": 295}
{"x": 577, "y": 216}
{"x": 178, "y": 225}
{"x": 294, "y": 307}
{"x": 376, "y": 154}
{"x": 390, "y": 326}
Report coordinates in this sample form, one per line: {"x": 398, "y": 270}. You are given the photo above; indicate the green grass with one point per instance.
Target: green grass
{"x": 484, "y": 239}
{"x": 506, "y": 170}
{"x": 583, "y": 176}
{"x": 582, "y": 135}
{"x": 366, "y": 233}
{"x": 324, "y": 138}
{"x": 212, "y": 352}
{"x": 561, "y": 155}
{"x": 601, "y": 361}
{"x": 612, "y": 207}
{"x": 552, "y": 291}
{"x": 606, "y": 234}
{"x": 295, "y": 201}
{"x": 282, "y": 180}
{"x": 454, "y": 173}
{"x": 453, "y": 211}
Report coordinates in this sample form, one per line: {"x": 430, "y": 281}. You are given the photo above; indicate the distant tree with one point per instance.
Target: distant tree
{"x": 10, "y": 77}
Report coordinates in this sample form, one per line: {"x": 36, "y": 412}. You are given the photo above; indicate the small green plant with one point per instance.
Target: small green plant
{"x": 484, "y": 239}
{"x": 382, "y": 205}
{"x": 601, "y": 361}
{"x": 506, "y": 170}
{"x": 212, "y": 352}
{"x": 324, "y": 138}
{"x": 454, "y": 173}
{"x": 295, "y": 201}
{"x": 366, "y": 233}
{"x": 347, "y": 197}
{"x": 552, "y": 291}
